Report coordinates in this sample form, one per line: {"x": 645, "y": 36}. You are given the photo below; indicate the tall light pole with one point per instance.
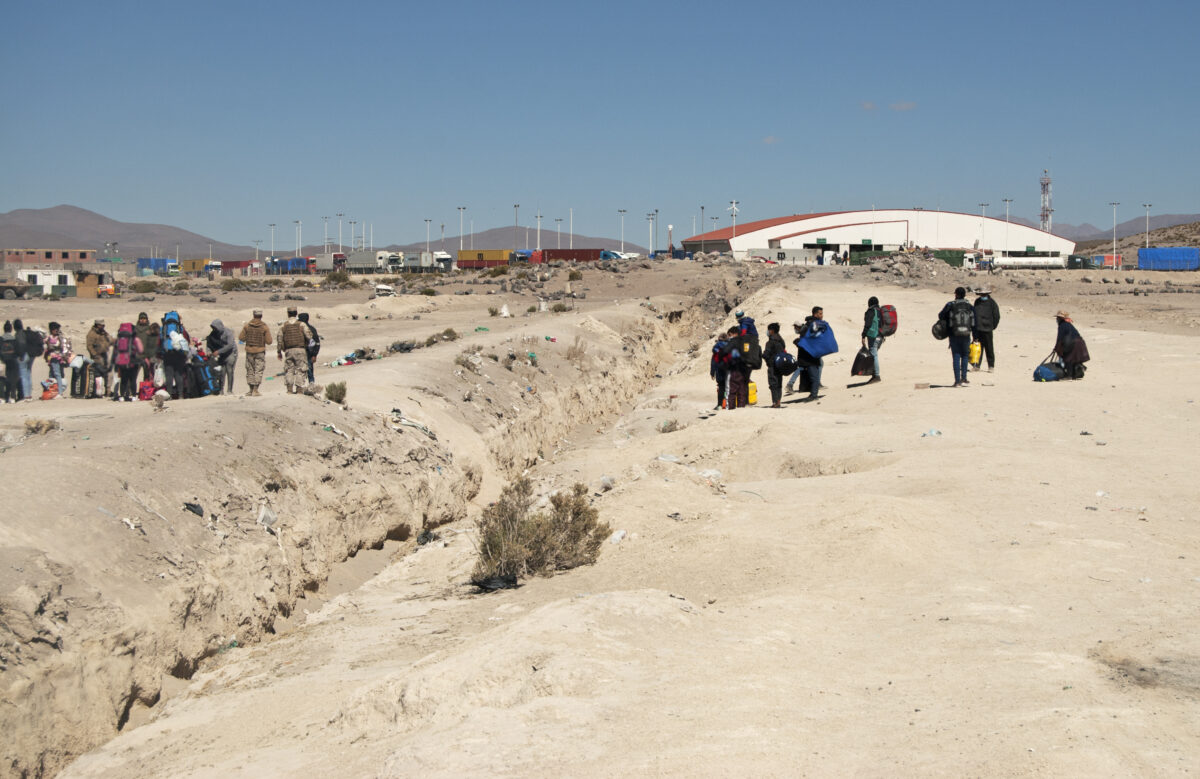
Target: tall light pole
{"x": 352, "y": 223}
{"x": 427, "y": 221}
{"x": 1007, "y": 202}
{"x": 733, "y": 208}
{"x": 655, "y": 247}
{"x": 571, "y": 228}
{"x": 650, "y": 223}
{"x": 702, "y": 227}
{"x": 1114, "y": 204}
{"x": 325, "y": 246}
{"x": 916, "y": 239}
{"x": 257, "y": 242}
{"x": 272, "y": 226}
{"x": 443, "y": 235}
{"x": 558, "y": 230}
{"x": 621, "y": 211}
{"x": 983, "y": 224}
{"x": 460, "y": 226}
{"x": 339, "y": 216}
{"x": 1147, "y": 207}
{"x": 538, "y": 217}
{"x": 516, "y": 222}
{"x": 299, "y": 237}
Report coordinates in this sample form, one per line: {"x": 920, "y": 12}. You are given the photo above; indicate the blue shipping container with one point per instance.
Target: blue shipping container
{"x": 1169, "y": 258}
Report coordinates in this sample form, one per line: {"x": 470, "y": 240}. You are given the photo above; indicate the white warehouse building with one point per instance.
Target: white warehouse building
{"x": 806, "y": 236}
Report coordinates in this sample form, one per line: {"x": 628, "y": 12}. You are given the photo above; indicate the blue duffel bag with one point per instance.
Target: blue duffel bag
{"x": 819, "y": 343}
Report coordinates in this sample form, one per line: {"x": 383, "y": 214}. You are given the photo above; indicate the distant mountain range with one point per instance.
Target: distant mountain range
{"x": 69, "y": 227}
{"x": 1136, "y": 226}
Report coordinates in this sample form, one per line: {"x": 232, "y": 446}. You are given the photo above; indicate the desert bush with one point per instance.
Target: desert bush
{"x": 450, "y": 334}
{"x": 229, "y": 285}
{"x": 493, "y": 311}
{"x": 336, "y": 392}
{"x": 575, "y": 275}
{"x": 523, "y": 274}
{"x": 276, "y": 283}
{"x": 142, "y": 286}
{"x": 559, "y": 308}
{"x": 499, "y": 270}
{"x": 431, "y": 340}
{"x": 429, "y": 291}
{"x": 301, "y": 283}
{"x": 494, "y": 357}
{"x": 466, "y": 360}
{"x": 337, "y": 278}
{"x": 181, "y": 285}
{"x": 577, "y": 350}
{"x": 669, "y": 426}
{"x": 514, "y": 543}
{"x": 531, "y": 310}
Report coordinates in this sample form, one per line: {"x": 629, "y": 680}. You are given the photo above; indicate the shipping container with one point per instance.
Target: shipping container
{"x": 1169, "y": 258}
{"x": 477, "y": 264}
{"x": 193, "y": 267}
{"x": 484, "y": 254}
{"x": 571, "y": 255}
{"x": 1107, "y": 261}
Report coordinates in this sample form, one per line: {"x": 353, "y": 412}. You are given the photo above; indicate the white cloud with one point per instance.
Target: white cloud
{"x": 867, "y": 105}
{"x": 907, "y": 105}
{"x": 770, "y": 139}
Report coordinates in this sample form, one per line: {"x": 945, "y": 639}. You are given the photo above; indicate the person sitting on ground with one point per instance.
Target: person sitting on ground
{"x": 1070, "y": 346}
{"x": 959, "y": 316}
{"x": 775, "y": 346}
{"x": 871, "y": 339}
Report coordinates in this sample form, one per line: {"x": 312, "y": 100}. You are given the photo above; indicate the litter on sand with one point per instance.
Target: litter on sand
{"x": 933, "y": 432}
{"x": 398, "y": 418}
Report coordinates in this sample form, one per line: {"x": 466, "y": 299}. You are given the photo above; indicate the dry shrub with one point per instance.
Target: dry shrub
{"x": 40, "y": 426}
{"x": 575, "y": 275}
{"x": 144, "y": 286}
{"x": 514, "y": 543}
{"x": 301, "y": 283}
{"x": 182, "y": 285}
{"x": 577, "y": 350}
{"x": 337, "y": 278}
{"x": 559, "y": 308}
{"x": 336, "y": 392}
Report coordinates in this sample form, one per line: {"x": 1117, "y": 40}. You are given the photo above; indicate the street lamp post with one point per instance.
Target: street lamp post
{"x": 516, "y": 211}
{"x": 427, "y": 222}
{"x": 272, "y": 226}
{"x": 621, "y": 211}
{"x": 650, "y": 224}
{"x": 1007, "y": 203}
{"x": 352, "y": 223}
{"x": 1114, "y": 204}
{"x": 702, "y": 233}
{"x": 655, "y": 246}
{"x": 983, "y": 224}
{"x": 538, "y": 217}
{"x": 325, "y": 245}
{"x": 443, "y": 236}
{"x": 558, "y": 232}
{"x": 257, "y": 242}
{"x": 299, "y": 235}
{"x": 460, "y": 227}
{"x": 1147, "y": 207}
{"x": 339, "y": 216}
{"x": 916, "y": 238}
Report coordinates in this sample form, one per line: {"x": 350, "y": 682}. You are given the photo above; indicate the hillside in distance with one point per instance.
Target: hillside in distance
{"x": 71, "y": 227}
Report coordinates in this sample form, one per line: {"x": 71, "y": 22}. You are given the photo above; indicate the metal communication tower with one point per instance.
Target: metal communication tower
{"x": 1047, "y": 208}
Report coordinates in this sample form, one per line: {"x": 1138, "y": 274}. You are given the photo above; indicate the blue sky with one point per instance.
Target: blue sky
{"x": 222, "y": 117}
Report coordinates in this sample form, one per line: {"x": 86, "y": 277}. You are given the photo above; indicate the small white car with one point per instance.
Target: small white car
{"x": 384, "y": 291}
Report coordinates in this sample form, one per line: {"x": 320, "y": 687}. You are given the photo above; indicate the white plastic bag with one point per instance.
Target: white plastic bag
{"x": 160, "y": 376}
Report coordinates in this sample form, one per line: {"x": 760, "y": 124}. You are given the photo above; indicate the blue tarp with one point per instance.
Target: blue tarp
{"x": 1169, "y": 258}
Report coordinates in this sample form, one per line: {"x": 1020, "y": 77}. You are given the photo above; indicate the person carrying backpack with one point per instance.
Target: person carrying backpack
{"x": 99, "y": 344}
{"x": 959, "y": 316}
{"x": 29, "y": 346}
{"x": 174, "y": 347}
{"x": 147, "y": 333}
{"x": 8, "y": 355}
{"x": 127, "y": 359}
{"x": 313, "y": 348}
{"x": 58, "y": 355}
{"x": 814, "y": 324}
{"x": 987, "y": 317}
{"x": 872, "y": 339}
{"x": 775, "y": 347}
{"x": 718, "y": 367}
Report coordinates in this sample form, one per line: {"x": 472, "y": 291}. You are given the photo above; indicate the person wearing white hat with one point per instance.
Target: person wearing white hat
{"x": 987, "y": 317}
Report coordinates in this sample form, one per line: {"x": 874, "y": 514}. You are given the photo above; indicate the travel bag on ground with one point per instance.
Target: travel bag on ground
{"x": 753, "y": 394}
{"x": 1050, "y": 370}
{"x": 976, "y": 354}
{"x": 201, "y": 379}
{"x": 864, "y": 364}
{"x": 145, "y": 390}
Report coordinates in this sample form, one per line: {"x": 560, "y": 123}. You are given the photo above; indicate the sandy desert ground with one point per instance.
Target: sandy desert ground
{"x": 900, "y": 579}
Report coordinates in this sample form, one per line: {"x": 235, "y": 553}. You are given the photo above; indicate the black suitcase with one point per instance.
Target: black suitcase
{"x": 202, "y": 380}
{"x": 83, "y": 381}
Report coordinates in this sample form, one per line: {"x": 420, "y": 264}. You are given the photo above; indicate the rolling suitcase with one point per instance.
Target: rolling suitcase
{"x": 202, "y": 380}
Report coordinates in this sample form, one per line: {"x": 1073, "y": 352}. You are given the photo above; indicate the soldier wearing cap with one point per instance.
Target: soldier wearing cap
{"x": 99, "y": 343}
{"x": 257, "y": 337}
{"x": 293, "y": 345}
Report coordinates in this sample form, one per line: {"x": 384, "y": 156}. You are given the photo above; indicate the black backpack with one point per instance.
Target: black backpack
{"x": 751, "y": 352}
{"x": 34, "y": 344}
{"x": 962, "y": 316}
{"x": 8, "y": 348}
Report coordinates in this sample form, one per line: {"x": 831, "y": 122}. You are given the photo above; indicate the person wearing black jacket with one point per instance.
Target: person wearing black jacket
{"x": 313, "y": 348}
{"x": 223, "y": 352}
{"x": 987, "y": 317}
{"x": 959, "y": 316}
{"x": 775, "y": 346}
{"x": 1070, "y": 346}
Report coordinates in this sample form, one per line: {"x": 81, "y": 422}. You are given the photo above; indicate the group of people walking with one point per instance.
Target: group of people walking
{"x": 144, "y": 357}
{"x": 968, "y": 326}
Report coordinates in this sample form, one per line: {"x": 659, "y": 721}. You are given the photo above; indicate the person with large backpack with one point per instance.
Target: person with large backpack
{"x": 99, "y": 344}
{"x": 959, "y": 316}
{"x": 8, "y": 355}
{"x": 127, "y": 359}
{"x": 872, "y": 337}
{"x": 987, "y": 317}
{"x": 737, "y": 387}
{"x": 174, "y": 346}
{"x": 147, "y": 332}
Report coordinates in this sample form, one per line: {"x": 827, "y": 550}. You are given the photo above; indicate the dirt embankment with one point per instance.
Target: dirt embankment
{"x": 110, "y": 585}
